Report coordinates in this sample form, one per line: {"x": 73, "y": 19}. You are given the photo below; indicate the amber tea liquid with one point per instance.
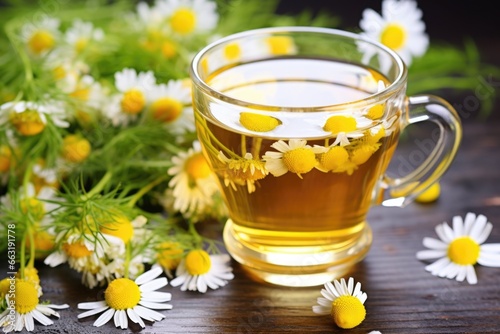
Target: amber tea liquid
{"x": 291, "y": 226}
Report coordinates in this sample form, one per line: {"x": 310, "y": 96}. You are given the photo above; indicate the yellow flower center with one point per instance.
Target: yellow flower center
{"x": 81, "y": 44}
{"x": 44, "y": 242}
{"x": 232, "y": 51}
{"x": 166, "y": 109}
{"x": 75, "y": 148}
{"x": 41, "y": 41}
{"x": 348, "y": 312}
{"x": 257, "y": 122}
{"x": 81, "y": 94}
{"x": 183, "y": 21}
{"x": 168, "y": 49}
{"x": 197, "y": 167}
{"x": 34, "y": 207}
{"x": 59, "y": 72}
{"x": 27, "y": 123}
{"x": 334, "y": 158}
{"x": 280, "y": 45}
{"x": 4, "y": 287}
{"x": 133, "y": 102}
{"x": 30, "y": 274}
{"x": 393, "y": 36}
{"x": 375, "y": 112}
{"x": 429, "y": 195}
{"x": 299, "y": 160}
{"x": 120, "y": 227}
{"x": 198, "y": 262}
{"x": 338, "y": 123}
{"x": 370, "y": 138}
{"x": 26, "y": 297}
{"x": 5, "y": 158}
{"x": 169, "y": 254}
{"x": 122, "y": 294}
{"x": 76, "y": 250}
{"x": 464, "y": 251}
{"x": 246, "y": 169}
{"x": 362, "y": 153}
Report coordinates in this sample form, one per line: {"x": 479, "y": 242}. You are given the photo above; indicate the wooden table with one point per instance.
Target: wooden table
{"x": 402, "y": 296}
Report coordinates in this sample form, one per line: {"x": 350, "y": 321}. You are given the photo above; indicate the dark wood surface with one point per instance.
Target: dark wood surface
{"x": 402, "y": 296}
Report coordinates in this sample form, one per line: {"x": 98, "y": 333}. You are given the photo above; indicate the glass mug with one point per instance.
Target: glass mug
{"x": 299, "y": 124}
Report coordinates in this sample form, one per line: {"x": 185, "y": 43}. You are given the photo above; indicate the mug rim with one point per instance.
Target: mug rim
{"x": 384, "y": 94}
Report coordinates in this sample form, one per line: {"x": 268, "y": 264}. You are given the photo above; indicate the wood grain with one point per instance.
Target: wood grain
{"x": 402, "y": 296}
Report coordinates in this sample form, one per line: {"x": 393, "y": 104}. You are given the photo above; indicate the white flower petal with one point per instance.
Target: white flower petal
{"x": 462, "y": 273}
{"x": 489, "y": 259}
{"x": 458, "y": 226}
{"x": 435, "y": 267}
{"x": 470, "y": 218}
{"x": 156, "y": 306}
{"x": 321, "y": 310}
{"x": 156, "y": 296}
{"x": 92, "y": 312}
{"x": 491, "y": 248}
{"x": 44, "y": 320}
{"x": 471, "y": 275}
{"x": 92, "y": 305}
{"x": 135, "y": 318}
{"x": 434, "y": 243}
{"x": 329, "y": 286}
{"x": 148, "y": 314}
{"x": 483, "y": 236}
{"x": 478, "y": 227}
{"x": 430, "y": 254}
{"x": 104, "y": 318}
{"x": 154, "y": 284}
{"x": 148, "y": 276}
{"x": 119, "y": 320}
{"x": 29, "y": 324}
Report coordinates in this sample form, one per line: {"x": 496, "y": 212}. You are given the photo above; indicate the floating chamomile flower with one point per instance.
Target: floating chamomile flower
{"x": 27, "y": 309}
{"x": 243, "y": 171}
{"x": 460, "y": 248}
{"x": 199, "y": 270}
{"x": 345, "y": 127}
{"x": 171, "y": 105}
{"x": 186, "y": 17}
{"x": 281, "y": 45}
{"x": 135, "y": 300}
{"x": 400, "y": 28}
{"x": 30, "y": 118}
{"x": 193, "y": 182}
{"x": 132, "y": 98}
{"x": 344, "y": 302}
{"x": 41, "y": 36}
{"x": 75, "y": 148}
{"x": 81, "y": 33}
{"x": 296, "y": 157}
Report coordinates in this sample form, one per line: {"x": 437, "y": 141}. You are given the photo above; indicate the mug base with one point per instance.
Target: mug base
{"x": 266, "y": 259}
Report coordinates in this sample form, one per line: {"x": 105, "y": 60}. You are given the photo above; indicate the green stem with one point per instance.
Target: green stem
{"x": 194, "y": 233}
{"x": 23, "y": 256}
{"x": 145, "y": 190}
{"x": 32, "y": 248}
{"x": 98, "y": 187}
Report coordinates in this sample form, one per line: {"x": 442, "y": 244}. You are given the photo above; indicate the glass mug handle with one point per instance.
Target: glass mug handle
{"x": 401, "y": 191}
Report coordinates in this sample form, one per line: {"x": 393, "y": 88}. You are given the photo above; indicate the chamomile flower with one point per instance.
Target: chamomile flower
{"x": 87, "y": 256}
{"x": 280, "y": 45}
{"x": 345, "y": 127}
{"x": 170, "y": 105}
{"x": 186, "y": 17}
{"x": 459, "y": 248}
{"x": 199, "y": 271}
{"x": 236, "y": 51}
{"x": 193, "y": 182}
{"x": 30, "y": 118}
{"x": 135, "y": 300}
{"x": 75, "y": 148}
{"x": 344, "y": 302}
{"x": 132, "y": 98}
{"x": 400, "y": 28}
{"x": 243, "y": 171}
{"x": 41, "y": 36}
{"x": 81, "y": 33}
{"x": 27, "y": 309}
{"x": 296, "y": 157}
